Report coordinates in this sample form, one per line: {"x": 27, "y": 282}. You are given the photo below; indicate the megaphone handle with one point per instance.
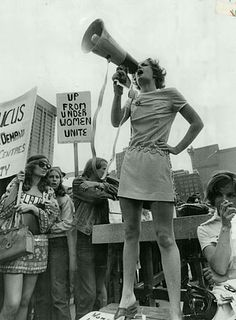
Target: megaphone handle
{"x": 127, "y": 84}
{"x": 117, "y": 82}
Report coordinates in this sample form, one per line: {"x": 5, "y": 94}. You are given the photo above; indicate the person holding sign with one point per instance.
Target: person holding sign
{"x": 91, "y": 196}
{"x": 146, "y": 174}
{"x": 39, "y": 209}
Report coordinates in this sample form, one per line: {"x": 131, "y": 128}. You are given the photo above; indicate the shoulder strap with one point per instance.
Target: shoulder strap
{"x": 18, "y": 217}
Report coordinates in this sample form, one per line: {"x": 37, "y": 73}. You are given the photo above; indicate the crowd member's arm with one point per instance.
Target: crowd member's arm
{"x": 110, "y": 188}
{"x": 218, "y": 254}
{"x": 50, "y": 213}
{"x": 8, "y": 199}
{"x": 67, "y": 210}
{"x": 92, "y": 195}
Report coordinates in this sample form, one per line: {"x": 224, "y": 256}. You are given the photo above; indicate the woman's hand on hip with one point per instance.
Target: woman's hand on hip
{"x": 166, "y": 147}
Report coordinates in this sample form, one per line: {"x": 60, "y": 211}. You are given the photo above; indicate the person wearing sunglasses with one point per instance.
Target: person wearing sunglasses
{"x": 218, "y": 242}
{"x": 20, "y": 275}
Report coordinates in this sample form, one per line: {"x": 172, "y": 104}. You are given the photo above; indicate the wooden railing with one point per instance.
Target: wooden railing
{"x": 184, "y": 228}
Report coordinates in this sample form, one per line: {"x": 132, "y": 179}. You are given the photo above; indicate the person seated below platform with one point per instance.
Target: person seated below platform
{"x": 217, "y": 238}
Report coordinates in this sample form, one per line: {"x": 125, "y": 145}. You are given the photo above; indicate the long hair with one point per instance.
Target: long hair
{"x": 29, "y": 171}
{"x": 159, "y": 74}
{"x": 218, "y": 181}
{"x": 60, "y": 191}
{"x": 88, "y": 169}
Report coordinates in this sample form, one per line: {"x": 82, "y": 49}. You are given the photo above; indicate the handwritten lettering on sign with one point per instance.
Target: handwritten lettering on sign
{"x": 15, "y": 127}
{"x": 227, "y": 7}
{"x": 97, "y": 315}
{"x": 74, "y": 117}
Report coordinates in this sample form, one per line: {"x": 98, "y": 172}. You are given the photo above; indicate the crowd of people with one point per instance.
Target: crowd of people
{"x": 65, "y": 260}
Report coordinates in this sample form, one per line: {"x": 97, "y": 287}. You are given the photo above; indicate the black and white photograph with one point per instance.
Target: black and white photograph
{"x": 117, "y": 160}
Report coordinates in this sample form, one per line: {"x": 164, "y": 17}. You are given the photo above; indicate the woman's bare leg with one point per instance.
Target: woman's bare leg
{"x": 162, "y": 213}
{"x": 13, "y": 284}
{"x": 131, "y": 211}
{"x": 29, "y": 282}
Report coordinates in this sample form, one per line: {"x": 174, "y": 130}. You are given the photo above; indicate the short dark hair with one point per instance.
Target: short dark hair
{"x": 217, "y": 181}
{"x": 159, "y": 74}
{"x": 88, "y": 169}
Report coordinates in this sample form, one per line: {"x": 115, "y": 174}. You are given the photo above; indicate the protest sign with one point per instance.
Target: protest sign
{"x": 97, "y": 315}
{"x": 15, "y": 127}
{"x": 227, "y": 7}
{"x": 74, "y": 117}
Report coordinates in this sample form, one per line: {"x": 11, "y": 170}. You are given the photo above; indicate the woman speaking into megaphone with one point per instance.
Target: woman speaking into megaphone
{"x": 146, "y": 174}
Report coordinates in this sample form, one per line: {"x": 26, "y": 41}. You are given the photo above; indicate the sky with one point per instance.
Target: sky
{"x": 41, "y": 46}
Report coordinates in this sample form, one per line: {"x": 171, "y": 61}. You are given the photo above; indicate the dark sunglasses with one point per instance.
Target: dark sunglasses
{"x": 43, "y": 164}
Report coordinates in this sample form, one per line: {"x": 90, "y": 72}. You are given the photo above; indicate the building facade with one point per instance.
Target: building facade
{"x": 42, "y": 133}
{"x": 187, "y": 184}
{"x": 43, "y": 129}
{"x": 209, "y": 159}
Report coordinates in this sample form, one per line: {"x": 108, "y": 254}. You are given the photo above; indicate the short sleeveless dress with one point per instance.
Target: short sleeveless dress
{"x": 32, "y": 263}
{"x": 146, "y": 170}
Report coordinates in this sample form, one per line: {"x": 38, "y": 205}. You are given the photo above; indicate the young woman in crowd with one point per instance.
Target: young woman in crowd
{"x": 52, "y": 294}
{"x": 218, "y": 242}
{"x": 146, "y": 174}
{"x": 91, "y": 196}
{"x": 21, "y": 274}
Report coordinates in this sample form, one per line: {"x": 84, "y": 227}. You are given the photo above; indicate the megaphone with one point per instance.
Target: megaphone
{"x": 99, "y": 41}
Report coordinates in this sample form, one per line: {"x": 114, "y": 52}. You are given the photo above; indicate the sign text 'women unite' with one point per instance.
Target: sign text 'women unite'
{"x": 74, "y": 117}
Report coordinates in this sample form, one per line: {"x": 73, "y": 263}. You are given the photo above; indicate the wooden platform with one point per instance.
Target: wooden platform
{"x": 184, "y": 227}
{"x": 150, "y": 312}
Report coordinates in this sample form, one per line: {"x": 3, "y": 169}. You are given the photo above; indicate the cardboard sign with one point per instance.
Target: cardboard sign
{"x": 15, "y": 127}
{"x": 74, "y": 117}
{"x": 97, "y": 315}
{"x": 227, "y": 7}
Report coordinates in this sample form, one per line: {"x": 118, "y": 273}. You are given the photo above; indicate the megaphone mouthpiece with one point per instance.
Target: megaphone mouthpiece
{"x": 95, "y": 38}
{"x": 99, "y": 41}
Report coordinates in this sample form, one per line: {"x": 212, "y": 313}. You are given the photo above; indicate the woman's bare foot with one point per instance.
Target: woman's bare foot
{"x": 127, "y": 301}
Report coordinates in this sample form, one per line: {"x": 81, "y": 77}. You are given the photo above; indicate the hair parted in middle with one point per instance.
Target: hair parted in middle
{"x": 60, "y": 191}
{"x": 88, "y": 169}
{"x": 29, "y": 172}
